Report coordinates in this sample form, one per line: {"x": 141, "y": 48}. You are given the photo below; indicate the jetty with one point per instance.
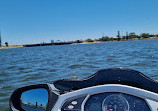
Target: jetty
{"x": 47, "y": 44}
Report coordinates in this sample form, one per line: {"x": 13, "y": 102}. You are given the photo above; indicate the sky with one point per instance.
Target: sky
{"x": 36, "y": 21}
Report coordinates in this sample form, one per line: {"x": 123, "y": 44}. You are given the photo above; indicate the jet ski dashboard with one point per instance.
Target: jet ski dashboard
{"x": 114, "y": 89}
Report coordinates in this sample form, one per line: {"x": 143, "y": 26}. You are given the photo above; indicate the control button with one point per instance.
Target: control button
{"x": 74, "y": 102}
{"x": 71, "y": 107}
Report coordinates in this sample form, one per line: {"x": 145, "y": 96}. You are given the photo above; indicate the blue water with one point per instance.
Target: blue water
{"x": 33, "y": 65}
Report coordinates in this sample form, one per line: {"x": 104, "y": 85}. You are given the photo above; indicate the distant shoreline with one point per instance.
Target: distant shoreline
{"x": 19, "y": 46}
{"x": 114, "y": 40}
{"x": 9, "y": 47}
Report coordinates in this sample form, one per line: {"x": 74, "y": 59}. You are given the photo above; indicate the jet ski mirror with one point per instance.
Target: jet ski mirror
{"x": 38, "y": 97}
{"x": 34, "y": 99}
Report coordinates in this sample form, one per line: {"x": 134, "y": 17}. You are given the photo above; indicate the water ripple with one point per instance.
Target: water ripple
{"x": 36, "y": 65}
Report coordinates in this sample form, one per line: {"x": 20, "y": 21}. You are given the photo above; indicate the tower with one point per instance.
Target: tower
{"x": 0, "y": 40}
{"x": 127, "y": 35}
{"x": 118, "y": 36}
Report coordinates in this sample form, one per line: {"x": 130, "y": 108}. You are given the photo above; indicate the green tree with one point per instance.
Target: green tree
{"x": 132, "y": 35}
{"x": 123, "y": 37}
{"x": 144, "y": 35}
{"x": 111, "y": 38}
{"x": 152, "y": 35}
{"x": 6, "y": 43}
{"x": 78, "y": 41}
{"x": 89, "y": 40}
{"x": 139, "y": 37}
{"x": 106, "y": 38}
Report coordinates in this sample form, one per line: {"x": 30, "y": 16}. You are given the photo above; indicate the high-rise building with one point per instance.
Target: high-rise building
{"x": 0, "y": 40}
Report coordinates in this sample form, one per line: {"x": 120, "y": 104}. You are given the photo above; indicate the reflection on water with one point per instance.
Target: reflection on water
{"x": 35, "y": 99}
{"x": 36, "y": 65}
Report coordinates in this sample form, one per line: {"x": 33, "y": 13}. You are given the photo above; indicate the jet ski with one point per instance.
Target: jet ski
{"x": 112, "y": 89}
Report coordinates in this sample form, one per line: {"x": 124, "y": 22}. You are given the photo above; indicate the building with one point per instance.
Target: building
{"x": 52, "y": 41}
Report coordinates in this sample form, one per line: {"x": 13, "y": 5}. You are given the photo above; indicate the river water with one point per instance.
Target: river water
{"x": 34, "y": 65}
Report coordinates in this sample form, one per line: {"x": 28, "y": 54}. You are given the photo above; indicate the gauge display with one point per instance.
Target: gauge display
{"x": 115, "y": 103}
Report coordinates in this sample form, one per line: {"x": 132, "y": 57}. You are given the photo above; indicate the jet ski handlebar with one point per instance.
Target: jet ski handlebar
{"x": 109, "y": 89}
{"x": 109, "y": 76}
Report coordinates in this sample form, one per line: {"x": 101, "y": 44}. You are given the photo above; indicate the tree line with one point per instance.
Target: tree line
{"x": 130, "y": 36}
